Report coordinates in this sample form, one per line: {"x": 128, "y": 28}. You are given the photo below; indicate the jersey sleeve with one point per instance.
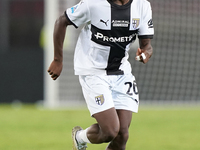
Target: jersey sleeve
{"x": 146, "y": 29}
{"x": 78, "y": 14}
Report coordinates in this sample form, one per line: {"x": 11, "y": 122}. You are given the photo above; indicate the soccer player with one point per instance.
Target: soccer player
{"x": 101, "y": 61}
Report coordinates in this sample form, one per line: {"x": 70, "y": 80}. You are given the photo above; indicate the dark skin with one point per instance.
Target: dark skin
{"x": 120, "y": 2}
{"x": 112, "y": 125}
{"x": 146, "y": 48}
{"x": 60, "y": 27}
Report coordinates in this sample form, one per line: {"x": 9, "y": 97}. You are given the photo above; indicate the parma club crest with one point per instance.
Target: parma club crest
{"x": 99, "y": 100}
{"x": 135, "y": 22}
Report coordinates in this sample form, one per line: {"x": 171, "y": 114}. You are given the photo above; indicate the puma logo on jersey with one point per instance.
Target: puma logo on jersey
{"x": 104, "y": 22}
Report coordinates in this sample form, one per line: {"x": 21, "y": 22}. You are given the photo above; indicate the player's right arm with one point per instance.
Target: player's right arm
{"x": 146, "y": 49}
{"x": 60, "y": 27}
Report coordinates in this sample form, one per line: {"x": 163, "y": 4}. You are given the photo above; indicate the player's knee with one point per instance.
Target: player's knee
{"x": 124, "y": 135}
{"x": 109, "y": 137}
{"x": 110, "y": 134}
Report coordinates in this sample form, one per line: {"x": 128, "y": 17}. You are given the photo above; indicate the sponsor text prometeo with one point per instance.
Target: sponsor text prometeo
{"x": 114, "y": 39}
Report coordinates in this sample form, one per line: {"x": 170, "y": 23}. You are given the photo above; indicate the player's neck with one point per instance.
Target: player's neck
{"x": 120, "y": 2}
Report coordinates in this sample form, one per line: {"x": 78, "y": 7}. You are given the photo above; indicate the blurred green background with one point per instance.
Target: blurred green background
{"x": 31, "y": 127}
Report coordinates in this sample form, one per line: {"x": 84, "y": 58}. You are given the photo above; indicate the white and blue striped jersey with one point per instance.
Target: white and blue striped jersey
{"x": 103, "y": 44}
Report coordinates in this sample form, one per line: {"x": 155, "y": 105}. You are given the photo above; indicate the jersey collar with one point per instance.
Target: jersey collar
{"x": 120, "y": 6}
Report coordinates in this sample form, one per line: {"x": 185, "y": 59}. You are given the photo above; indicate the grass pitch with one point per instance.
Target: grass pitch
{"x": 29, "y": 128}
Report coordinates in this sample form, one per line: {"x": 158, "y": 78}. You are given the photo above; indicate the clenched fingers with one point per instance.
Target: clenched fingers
{"x": 53, "y": 75}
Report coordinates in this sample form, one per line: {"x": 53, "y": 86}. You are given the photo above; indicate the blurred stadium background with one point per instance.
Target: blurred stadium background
{"x": 171, "y": 76}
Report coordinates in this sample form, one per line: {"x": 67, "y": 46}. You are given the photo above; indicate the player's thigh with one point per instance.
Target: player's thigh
{"x": 97, "y": 93}
{"x": 125, "y": 117}
{"x": 108, "y": 121}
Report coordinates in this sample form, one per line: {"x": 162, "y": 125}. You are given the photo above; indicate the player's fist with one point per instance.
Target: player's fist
{"x": 55, "y": 69}
{"x": 142, "y": 55}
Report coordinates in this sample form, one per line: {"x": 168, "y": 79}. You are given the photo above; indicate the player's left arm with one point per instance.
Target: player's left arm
{"x": 145, "y": 34}
{"x": 145, "y": 51}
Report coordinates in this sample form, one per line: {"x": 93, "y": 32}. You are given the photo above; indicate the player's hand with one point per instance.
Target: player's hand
{"x": 142, "y": 56}
{"x": 55, "y": 69}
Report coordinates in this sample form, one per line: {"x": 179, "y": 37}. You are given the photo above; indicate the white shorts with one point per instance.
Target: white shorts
{"x": 104, "y": 92}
